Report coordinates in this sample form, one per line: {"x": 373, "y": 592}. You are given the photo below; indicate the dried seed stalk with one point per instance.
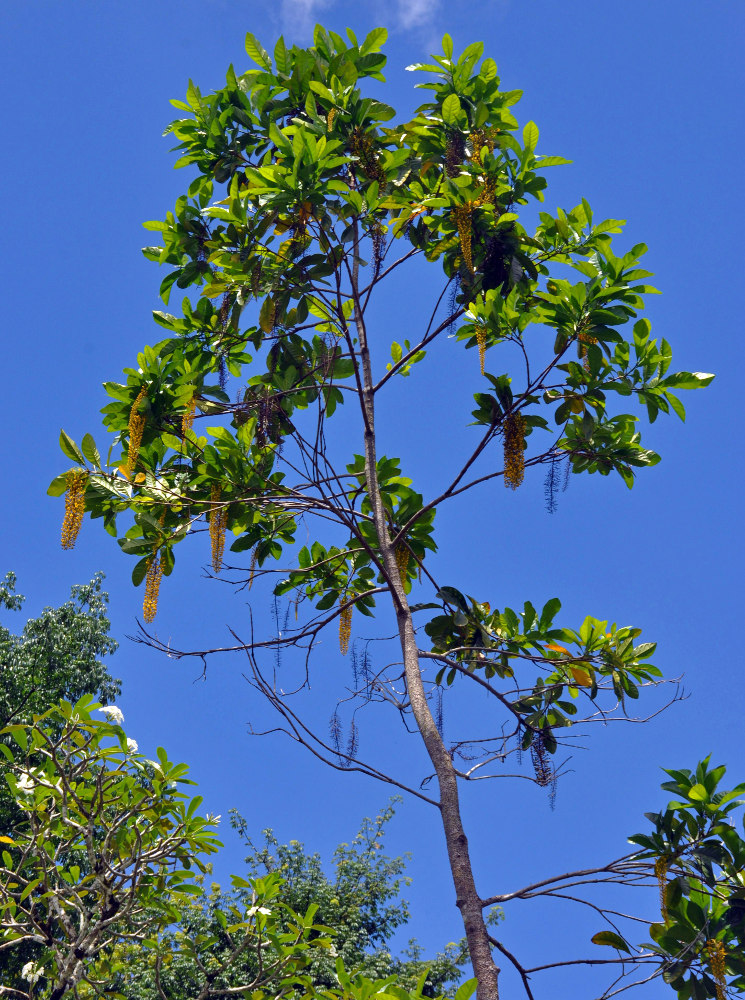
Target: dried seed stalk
{"x": 136, "y": 427}
{"x": 514, "y": 452}
{"x": 76, "y": 480}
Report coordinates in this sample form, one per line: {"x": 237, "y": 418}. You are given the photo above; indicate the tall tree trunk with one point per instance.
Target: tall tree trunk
{"x": 467, "y": 898}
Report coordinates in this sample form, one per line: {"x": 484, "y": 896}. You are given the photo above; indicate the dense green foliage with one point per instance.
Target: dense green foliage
{"x": 284, "y": 238}
{"x": 102, "y": 877}
{"x": 358, "y": 905}
{"x": 57, "y": 655}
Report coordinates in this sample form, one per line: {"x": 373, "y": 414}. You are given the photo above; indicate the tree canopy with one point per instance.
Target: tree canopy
{"x": 308, "y": 197}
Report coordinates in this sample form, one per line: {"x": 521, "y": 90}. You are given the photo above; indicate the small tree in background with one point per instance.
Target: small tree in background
{"x": 57, "y": 655}
{"x": 303, "y": 206}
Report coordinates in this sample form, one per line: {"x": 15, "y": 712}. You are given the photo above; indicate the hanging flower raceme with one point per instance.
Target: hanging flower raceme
{"x": 584, "y": 340}
{"x": 481, "y": 341}
{"x": 330, "y": 119}
{"x": 716, "y": 956}
{"x": 218, "y": 524}
{"x": 402, "y": 561}
{"x": 462, "y": 215}
{"x": 152, "y": 587}
{"x": 514, "y": 452}
{"x": 136, "y": 427}
{"x": 76, "y": 481}
{"x": 660, "y": 871}
{"x": 455, "y": 151}
{"x": 345, "y": 625}
{"x": 187, "y": 420}
{"x": 152, "y": 579}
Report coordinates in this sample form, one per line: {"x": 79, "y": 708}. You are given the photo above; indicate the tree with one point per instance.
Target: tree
{"x": 289, "y": 258}
{"x": 57, "y": 655}
{"x": 358, "y": 907}
{"x": 107, "y": 861}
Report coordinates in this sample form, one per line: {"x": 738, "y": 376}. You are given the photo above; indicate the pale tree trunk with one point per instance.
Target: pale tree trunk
{"x": 468, "y": 900}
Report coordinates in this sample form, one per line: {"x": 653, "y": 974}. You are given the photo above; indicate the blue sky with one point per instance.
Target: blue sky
{"x": 646, "y": 99}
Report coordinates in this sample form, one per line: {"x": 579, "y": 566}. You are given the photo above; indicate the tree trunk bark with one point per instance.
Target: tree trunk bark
{"x": 467, "y": 898}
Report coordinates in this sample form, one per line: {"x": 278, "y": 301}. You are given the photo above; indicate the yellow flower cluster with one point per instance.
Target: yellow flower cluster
{"x": 136, "y": 427}
{"x": 330, "y": 119}
{"x": 483, "y": 137}
{"x": 514, "y": 452}
{"x": 187, "y": 420}
{"x": 402, "y": 561}
{"x": 462, "y": 215}
{"x": 218, "y": 523}
{"x": 152, "y": 587}
{"x": 345, "y": 625}
{"x": 660, "y": 870}
{"x": 481, "y": 341}
{"x": 716, "y": 956}
{"x": 362, "y": 146}
{"x": 76, "y": 481}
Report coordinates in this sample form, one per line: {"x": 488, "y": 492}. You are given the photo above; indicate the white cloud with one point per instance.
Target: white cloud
{"x": 299, "y": 17}
{"x": 415, "y": 13}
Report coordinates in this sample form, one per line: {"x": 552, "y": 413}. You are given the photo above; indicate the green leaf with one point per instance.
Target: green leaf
{"x": 70, "y": 449}
{"x": 550, "y": 610}
{"x": 90, "y": 450}
{"x": 611, "y": 940}
{"x": 58, "y": 486}
{"x": 698, "y": 793}
{"x": 530, "y": 136}
{"x": 257, "y": 52}
{"x": 488, "y": 70}
{"x": 451, "y": 109}
{"x": 374, "y": 41}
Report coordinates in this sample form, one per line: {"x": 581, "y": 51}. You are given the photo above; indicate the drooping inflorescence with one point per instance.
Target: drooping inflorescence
{"x": 455, "y": 151}
{"x": 660, "y": 871}
{"x": 187, "y": 420}
{"x": 136, "y": 427}
{"x": 481, "y": 341}
{"x": 76, "y": 481}
{"x": 716, "y": 955}
{"x": 584, "y": 340}
{"x": 514, "y": 453}
{"x": 402, "y": 561}
{"x": 462, "y": 214}
{"x": 345, "y": 625}
{"x": 218, "y": 523}
{"x": 541, "y": 760}
{"x": 152, "y": 587}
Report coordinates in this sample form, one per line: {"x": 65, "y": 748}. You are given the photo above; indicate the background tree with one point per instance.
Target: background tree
{"x": 313, "y": 182}
{"x": 107, "y": 861}
{"x": 57, "y": 655}
{"x": 358, "y": 905}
